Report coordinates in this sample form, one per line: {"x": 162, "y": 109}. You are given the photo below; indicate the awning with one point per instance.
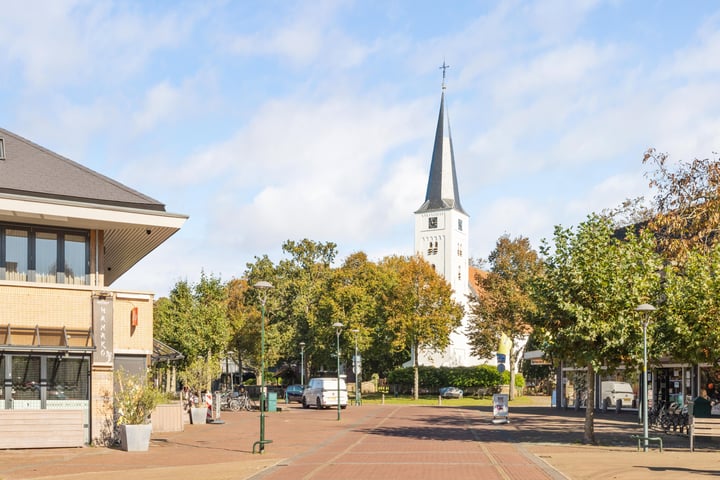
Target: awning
{"x": 45, "y": 339}
{"x": 164, "y": 353}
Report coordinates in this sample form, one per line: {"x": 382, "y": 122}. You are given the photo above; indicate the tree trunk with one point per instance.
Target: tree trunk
{"x": 589, "y": 434}
{"x": 416, "y": 368}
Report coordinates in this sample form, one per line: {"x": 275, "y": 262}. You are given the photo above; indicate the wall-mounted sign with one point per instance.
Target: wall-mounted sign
{"x": 103, "y": 331}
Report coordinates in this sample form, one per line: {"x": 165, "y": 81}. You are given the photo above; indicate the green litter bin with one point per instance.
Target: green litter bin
{"x": 272, "y": 402}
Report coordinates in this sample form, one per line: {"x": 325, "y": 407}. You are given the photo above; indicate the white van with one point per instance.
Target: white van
{"x": 614, "y": 391}
{"x": 323, "y": 392}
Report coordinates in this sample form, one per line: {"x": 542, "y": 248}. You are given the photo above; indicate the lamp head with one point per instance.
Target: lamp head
{"x": 263, "y": 285}
{"x": 645, "y": 307}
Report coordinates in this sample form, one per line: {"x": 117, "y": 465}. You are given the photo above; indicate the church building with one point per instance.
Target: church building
{"x": 442, "y": 230}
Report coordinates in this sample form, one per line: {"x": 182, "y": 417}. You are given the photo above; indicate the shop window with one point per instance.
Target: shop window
{"x": 26, "y": 378}
{"x": 67, "y": 378}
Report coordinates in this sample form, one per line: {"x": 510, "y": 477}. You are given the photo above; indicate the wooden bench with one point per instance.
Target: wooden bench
{"x": 707, "y": 427}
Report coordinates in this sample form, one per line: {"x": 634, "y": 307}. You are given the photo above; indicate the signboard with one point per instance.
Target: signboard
{"x": 357, "y": 364}
{"x": 539, "y": 361}
{"x": 501, "y": 408}
{"x": 103, "y": 331}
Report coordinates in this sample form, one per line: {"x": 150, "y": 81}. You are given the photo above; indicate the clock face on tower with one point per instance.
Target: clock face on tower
{"x": 432, "y": 222}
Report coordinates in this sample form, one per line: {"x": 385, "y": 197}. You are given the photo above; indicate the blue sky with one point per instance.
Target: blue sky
{"x": 273, "y": 120}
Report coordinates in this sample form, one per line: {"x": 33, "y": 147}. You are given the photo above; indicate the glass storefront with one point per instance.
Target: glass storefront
{"x": 44, "y": 381}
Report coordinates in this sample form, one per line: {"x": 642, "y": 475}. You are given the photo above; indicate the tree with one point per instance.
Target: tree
{"x": 194, "y": 318}
{"x": 299, "y": 282}
{"x": 689, "y": 331}
{"x": 591, "y": 284}
{"x": 245, "y": 323}
{"x": 420, "y": 308}
{"x": 504, "y": 303}
{"x": 303, "y": 279}
{"x": 354, "y": 297}
{"x": 687, "y": 204}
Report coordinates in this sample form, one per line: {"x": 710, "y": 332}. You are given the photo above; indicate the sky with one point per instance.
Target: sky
{"x": 268, "y": 121}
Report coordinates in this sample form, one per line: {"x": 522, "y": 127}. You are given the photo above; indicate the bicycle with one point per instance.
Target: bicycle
{"x": 230, "y": 401}
{"x": 246, "y": 403}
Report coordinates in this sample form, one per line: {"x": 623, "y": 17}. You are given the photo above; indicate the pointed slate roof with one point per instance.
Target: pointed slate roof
{"x": 30, "y": 169}
{"x": 442, "y": 189}
{"x": 41, "y": 187}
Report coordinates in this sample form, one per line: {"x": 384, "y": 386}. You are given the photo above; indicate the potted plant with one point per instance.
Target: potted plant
{"x": 198, "y": 376}
{"x": 135, "y": 398}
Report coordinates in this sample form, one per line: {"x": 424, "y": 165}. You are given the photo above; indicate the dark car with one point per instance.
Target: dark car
{"x": 293, "y": 393}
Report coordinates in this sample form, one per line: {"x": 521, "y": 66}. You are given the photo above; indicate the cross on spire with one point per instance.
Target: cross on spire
{"x": 444, "y": 68}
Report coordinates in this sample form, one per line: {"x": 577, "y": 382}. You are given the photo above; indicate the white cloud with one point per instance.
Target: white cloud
{"x": 166, "y": 103}
{"x": 70, "y": 42}
{"x": 306, "y": 35}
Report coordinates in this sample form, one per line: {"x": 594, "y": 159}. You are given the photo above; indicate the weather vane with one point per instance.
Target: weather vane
{"x": 444, "y": 67}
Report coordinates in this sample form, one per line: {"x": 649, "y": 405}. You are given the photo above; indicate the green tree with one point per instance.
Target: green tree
{"x": 303, "y": 280}
{"x": 354, "y": 297}
{"x": 248, "y": 336}
{"x": 591, "y": 285}
{"x": 420, "y": 308}
{"x": 299, "y": 282}
{"x": 689, "y": 330}
{"x": 194, "y": 318}
{"x": 245, "y": 323}
{"x": 504, "y": 304}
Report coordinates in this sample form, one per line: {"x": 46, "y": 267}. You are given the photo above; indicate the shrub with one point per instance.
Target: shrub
{"x": 199, "y": 374}
{"x": 479, "y": 377}
{"x": 135, "y": 398}
{"x": 519, "y": 379}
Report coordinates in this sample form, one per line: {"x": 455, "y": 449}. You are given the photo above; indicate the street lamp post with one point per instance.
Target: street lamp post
{"x": 645, "y": 309}
{"x": 357, "y": 368}
{"x": 264, "y": 286}
{"x": 338, "y": 327}
{"x": 302, "y": 364}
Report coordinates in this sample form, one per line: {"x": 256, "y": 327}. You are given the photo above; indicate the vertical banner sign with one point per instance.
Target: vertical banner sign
{"x": 103, "y": 331}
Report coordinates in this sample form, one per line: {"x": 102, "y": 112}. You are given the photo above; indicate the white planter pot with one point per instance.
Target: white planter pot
{"x": 135, "y": 438}
{"x": 198, "y": 415}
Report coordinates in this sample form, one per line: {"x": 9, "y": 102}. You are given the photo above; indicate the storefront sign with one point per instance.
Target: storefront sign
{"x": 103, "y": 331}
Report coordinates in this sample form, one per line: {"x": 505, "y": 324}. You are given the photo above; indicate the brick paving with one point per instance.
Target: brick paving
{"x": 383, "y": 441}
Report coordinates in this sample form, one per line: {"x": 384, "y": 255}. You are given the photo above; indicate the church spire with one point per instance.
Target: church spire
{"x": 442, "y": 189}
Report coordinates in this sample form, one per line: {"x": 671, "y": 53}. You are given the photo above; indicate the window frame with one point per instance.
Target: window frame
{"x": 32, "y": 233}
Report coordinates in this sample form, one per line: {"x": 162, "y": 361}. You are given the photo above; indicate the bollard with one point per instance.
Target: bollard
{"x": 440, "y": 400}
{"x": 383, "y": 399}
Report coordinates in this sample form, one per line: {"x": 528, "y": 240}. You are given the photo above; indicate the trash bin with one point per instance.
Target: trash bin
{"x": 272, "y": 402}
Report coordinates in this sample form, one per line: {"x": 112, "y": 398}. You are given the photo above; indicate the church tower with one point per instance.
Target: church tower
{"x": 441, "y": 235}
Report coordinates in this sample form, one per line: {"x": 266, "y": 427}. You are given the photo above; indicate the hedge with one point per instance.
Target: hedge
{"x": 466, "y": 378}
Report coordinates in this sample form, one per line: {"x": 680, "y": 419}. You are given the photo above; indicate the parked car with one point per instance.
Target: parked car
{"x": 451, "y": 392}
{"x": 293, "y": 393}
{"x": 323, "y": 392}
{"x": 614, "y": 392}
